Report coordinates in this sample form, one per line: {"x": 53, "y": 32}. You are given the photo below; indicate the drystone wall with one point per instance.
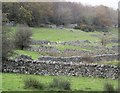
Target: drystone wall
{"x": 40, "y": 42}
{"x": 60, "y": 68}
{"x": 97, "y": 58}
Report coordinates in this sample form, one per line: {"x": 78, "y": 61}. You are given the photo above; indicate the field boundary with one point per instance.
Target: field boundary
{"x": 57, "y": 68}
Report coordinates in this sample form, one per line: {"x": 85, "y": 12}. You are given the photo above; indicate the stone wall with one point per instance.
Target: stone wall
{"x": 60, "y": 68}
{"x": 97, "y": 58}
{"x": 43, "y": 49}
{"x": 40, "y": 42}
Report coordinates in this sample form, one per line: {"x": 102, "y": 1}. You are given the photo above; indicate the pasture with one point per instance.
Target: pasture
{"x": 77, "y": 83}
{"x": 59, "y": 46}
{"x": 70, "y": 38}
{"x": 62, "y": 35}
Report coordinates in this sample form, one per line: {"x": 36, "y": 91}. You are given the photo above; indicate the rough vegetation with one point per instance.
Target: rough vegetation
{"x": 109, "y": 88}
{"x": 61, "y": 84}
{"x": 7, "y": 44}
{"x": 77, "y": 83}
{"x": 33, "y": 83}
{"x": 22, "y": 37}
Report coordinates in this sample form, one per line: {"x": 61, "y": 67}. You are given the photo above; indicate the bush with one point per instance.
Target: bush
{"x": 33, "y": 83}
{"x": 23, "y": 37}
{"x": 77, "y": 27}
{"x": 108, "y": 88}
{"x": 85, "y": 28}
{"x": 7, "y": 43}
{"x": 104, "y": 39}
{"x": 87, "y": 58}
{"x": 60, "y": 84}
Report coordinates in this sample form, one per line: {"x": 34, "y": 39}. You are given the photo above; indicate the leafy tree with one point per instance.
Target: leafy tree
{"x": 17, "y": 12}
{"x": 7, "y": 43}
{"x": 35, "y": 14}
{"x": 24, "y": 16}
{"x": 23, "y": 37}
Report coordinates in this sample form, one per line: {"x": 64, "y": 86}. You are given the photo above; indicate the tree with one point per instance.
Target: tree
{"x": 7, "y": 43}
{"x": 23, "y": 37}
{"x": 103, "y": 16}
{"x": 24, "y": 15}
{"x": 60, "y": 13}
{"x": 40, "y": 13}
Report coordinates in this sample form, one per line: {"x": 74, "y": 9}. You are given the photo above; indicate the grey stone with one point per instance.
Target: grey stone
{"x": 42, "y": 67}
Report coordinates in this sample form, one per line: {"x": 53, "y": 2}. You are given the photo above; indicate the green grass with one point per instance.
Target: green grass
{"x": 109, "y": 62}
{"x": 65, "y": 34}
{"x": 112, "y": 44}
{"x": 12, "y": 82}
{"x": 61, "y": 35}
{"x": 33, "y": 54}
{"x": 0, "y": 82}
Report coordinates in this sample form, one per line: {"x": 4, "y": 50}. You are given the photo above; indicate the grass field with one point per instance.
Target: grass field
{"x": 61, "y": 35}
{"x": 32, "y": 54}
{"x": 66, "y": 34}
{"x": 36, "y": 55}
{"x": 14, "y": 82}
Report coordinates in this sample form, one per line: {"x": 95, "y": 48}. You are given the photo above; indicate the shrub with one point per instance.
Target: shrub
{"x": 60, "y": 84}
{"x": 104, "y": 39}
{"x": 77, "y": 27}
{"x": 87, "y": 58}
{"x": 33, "y": 83}
{"x": 6, "y": 43}
{"x": 23, "y": 37}
{"x": 108, "y": 88}
{"x": 85, "y": 28}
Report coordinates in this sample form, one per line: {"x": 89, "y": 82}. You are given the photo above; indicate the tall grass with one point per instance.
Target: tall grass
{"x": 60, "y": 84}
{"x": 109, "y": 88}
{"x": 33, "y": 84}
